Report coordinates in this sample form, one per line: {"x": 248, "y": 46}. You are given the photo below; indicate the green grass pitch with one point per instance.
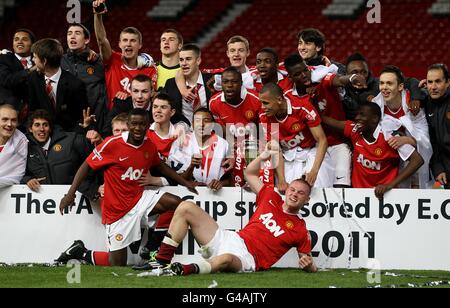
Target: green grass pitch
{"x": 97, "y": 277}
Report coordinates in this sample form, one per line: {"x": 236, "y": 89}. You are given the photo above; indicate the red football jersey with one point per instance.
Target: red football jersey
{"x": 374, "y": 163}
{"x": 163, "y": 145}
{"x": 118, "y": 77}
{"x": 258, "y": 81}
{"x": 246, "y": 112}
{"x": 237, "y": 118}
{"x": 328, "y": 101}
{"x": 294, "y": 130}
{"x": 271, "y": 232}
{"x": 124, "y": 165}
{"x": 1, "y": 148}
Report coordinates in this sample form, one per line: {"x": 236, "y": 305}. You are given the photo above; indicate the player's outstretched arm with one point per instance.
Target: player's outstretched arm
{"x": 168, "y": 172}
{"x": 333, "y": 123}
{"x": 100, "y": 33}
{"x": 306, "y": 263}
{"x": 251, "y": 173}
{"x": 357, "y": 81}
{"x": 69, "y": 198}
{"x": 415, "y": 162}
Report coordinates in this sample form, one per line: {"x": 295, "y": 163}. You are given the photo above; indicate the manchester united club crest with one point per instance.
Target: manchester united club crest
{"x": 90, "y": 71}
{"x": 119, "y": 237}
{"x": 57, "y": 148}
{"x": 146, "y": 155}
{"x": 249, "y": 115}
{"x": 289, "y": 225}
{"x": 296, "y": 127}
{"x": 378, "y": 152}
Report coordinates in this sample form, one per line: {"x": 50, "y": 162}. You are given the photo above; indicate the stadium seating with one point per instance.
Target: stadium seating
{"x": 169, "y": 9}
{"x": 408, "y": 35}
{"x": 411, "y": 39}
{"x": 440, "y": 8}
{"x": 343, "y": 8}
{"x": 5, "y": 4}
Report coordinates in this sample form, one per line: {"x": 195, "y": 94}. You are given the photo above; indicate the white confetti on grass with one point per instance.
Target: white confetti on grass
{"x": 213, "y": 285}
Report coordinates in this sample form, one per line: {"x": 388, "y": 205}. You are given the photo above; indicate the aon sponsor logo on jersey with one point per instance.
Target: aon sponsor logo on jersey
{"x": 293, "y": 143}
{"x": 368, "y": 163}
{"x": 271, "y": 224}
{"x": 132, "y": 175}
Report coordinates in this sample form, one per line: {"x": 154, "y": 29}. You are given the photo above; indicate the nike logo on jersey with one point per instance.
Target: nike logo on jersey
{"x": 123, "y": 159}
{"x": 359, "y": 145}
{"x": 271, "y": 203}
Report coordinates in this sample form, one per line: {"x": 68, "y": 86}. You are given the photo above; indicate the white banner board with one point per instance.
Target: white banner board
{"x": 408, "y": 230}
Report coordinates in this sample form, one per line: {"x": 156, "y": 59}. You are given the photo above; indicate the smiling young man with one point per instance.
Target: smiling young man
{"x": 14, "y": 69}
{"x": 257, "y": 246}
{"x": 53, "y": 155}
{"x": 237, "y": 110}
{"x": 126, "y": 159}
{"x": 394, "y": 100}
{"x": 13, "y": 148}
{"x": 375, "y": 163}
{"x": 267, "y": 69}
{"x": 141, "y": 97}
{"x": 120, "y": 68}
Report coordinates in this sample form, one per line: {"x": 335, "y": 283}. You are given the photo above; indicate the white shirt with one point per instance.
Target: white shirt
{"x": 188, "y": 112}
{"x": 55, "y": 80}
{"x": 29, "y": 62}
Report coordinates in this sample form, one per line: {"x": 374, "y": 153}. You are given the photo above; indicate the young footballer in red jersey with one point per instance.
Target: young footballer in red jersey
{"x": 120, "y": 68}
{"x": 126, "y": 159}
{"x": 375, "y": 162}
{"x": 296, "y": 123}
{"x": 274, "y": 229}
{"x": 335, "y": 170}
{"x": 237, "y": 110}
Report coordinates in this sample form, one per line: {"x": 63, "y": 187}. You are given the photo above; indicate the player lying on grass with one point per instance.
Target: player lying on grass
{"x": 274, "y": 229}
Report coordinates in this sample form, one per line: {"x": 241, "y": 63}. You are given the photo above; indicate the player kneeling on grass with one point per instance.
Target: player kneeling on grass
{"x": 274, "y": 229}
{"x": 126, "y": 158}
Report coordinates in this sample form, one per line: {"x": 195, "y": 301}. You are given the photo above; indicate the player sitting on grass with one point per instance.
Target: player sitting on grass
{"x": 274, "y": 229}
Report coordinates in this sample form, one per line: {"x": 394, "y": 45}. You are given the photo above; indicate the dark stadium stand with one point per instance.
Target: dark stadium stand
{"x": 408, "y": 36}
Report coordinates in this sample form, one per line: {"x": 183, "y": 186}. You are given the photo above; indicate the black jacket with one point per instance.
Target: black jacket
{"x": 66, "y": 153}
{"x": 71, "y": 99}
{"x": 119, "y": 106}
{"x": 353, "y": 97}
{"x": 438, "y": 116}
{"x": 13, "y": 81}
{"x": 93, "y": 76}
{"x": 171, "y": 89}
